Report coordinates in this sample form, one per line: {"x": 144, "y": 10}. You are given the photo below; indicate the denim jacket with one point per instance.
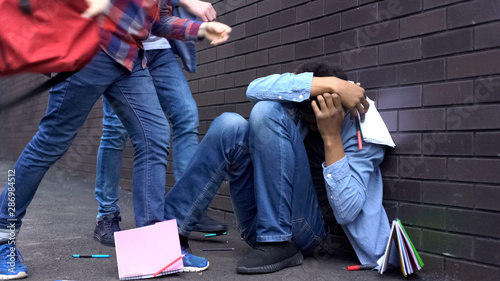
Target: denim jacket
{"x": 185, "y": 50}
{"x": 354, "y": 183}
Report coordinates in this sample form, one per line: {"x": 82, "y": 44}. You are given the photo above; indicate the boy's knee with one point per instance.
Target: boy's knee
{"x": 162, "y": 135}
{"x": 156, "y": 139}
{"x": 264, "y": 111}
{"x": 230, "y": 120}
{"x": 189, "y": 112}
{"x": 114, "y": 137}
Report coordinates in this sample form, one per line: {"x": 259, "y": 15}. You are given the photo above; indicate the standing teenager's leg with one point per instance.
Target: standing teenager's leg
{"x": 109, "y": 165}
{"x": 177, "y": 101}
{"x": 135, "y": 102}
{"x": 69, "y": 104}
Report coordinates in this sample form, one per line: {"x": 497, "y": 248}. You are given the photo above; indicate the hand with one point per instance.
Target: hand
{"x": 329, "y": 116}
{"x": 353, "y": 98}
{"x": 351, "y": 95}
{"x": 95, "y": 7}
{"x": 203, "y": 10}
{"x": 214, "y": 31}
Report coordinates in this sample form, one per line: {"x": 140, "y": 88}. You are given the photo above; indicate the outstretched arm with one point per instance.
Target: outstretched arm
{"x": 172, "y": 27}
{"x": 176, "y": 28}
{"x": 215, "y": 32}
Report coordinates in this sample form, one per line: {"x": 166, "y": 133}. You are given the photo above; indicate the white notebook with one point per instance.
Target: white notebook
{"x": 374, "y": 129}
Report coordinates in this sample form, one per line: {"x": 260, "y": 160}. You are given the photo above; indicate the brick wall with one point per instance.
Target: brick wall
{"x": 433, "y": 68}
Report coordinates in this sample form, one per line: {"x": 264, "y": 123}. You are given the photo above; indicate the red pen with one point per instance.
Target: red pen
{"x": 168, "y": 265}
{"x": 358, "y": 131}
{"x": 361, "y": 267}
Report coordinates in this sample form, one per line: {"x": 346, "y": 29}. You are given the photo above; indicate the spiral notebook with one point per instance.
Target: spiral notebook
{"x": 142, "y": 252}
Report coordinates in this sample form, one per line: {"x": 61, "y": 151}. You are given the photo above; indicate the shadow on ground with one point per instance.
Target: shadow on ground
{"x": 60, "y": 222}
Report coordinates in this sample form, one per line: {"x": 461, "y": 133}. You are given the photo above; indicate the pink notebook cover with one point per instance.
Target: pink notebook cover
{"x": 143, "y": 251}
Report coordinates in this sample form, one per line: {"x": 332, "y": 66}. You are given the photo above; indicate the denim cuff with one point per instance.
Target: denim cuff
{"x": 7, "y": 234}
{"x": 336, "y": 171}
{"x": 274, "y": 238}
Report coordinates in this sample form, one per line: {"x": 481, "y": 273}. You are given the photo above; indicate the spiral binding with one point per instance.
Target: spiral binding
{"x": 142, "y": 276}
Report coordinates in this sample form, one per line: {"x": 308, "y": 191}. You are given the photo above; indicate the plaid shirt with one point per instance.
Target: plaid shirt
{"x": 129, "y": 22}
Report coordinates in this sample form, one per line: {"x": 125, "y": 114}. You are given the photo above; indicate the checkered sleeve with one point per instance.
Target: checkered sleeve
{"x": 172, "y": 27}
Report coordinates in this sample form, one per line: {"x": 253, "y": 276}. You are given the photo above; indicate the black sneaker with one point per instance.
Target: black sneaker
{"x": 209, "y": 225}
{"x": 104, "y": 231}
{"x": 270, "y": 257}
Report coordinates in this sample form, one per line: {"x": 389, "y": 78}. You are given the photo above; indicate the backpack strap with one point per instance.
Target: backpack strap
{"x": 60, "y": 77}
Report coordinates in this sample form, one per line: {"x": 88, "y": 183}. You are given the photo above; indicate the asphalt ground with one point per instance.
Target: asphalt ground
{"x": 60, "y": 222}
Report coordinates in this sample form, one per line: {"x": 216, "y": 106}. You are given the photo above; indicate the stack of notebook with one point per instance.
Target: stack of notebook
{"x": 409, "y": 259}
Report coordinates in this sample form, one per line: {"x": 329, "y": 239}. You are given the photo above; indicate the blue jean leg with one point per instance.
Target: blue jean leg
{"x": 136, "y": 103}
{"x": 286, "y": 200}
{"x": 223, "y": 151}
{"x": 177, "y": 101}
{"x": 109, "y": 162}
{"x": 68, "y": 107}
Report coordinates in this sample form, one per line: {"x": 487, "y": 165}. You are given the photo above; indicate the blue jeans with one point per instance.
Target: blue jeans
{"x": 177, "y": 102}
{"x": 134, "y": 98}
{"x": 270, "y": 185}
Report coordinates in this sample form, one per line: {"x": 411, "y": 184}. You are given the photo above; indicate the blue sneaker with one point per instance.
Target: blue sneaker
{"x": 11, "y": 267}
{"x": 193, "y": 263}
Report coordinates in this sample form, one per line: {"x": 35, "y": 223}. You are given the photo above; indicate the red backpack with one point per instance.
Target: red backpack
{"x": 44, "y": 36}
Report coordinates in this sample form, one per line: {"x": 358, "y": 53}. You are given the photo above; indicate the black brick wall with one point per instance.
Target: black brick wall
{"x": 433, "y": 68}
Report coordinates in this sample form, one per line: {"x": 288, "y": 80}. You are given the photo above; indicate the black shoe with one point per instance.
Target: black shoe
{"x": 270, "y": 257}
{"x": 104, "y": 231}
{"x": 209, "y": 225}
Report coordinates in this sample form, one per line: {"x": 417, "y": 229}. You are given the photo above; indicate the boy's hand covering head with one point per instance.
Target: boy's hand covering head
{"x": 329, "y": 115}
{"x": 351, "y": 95}
{"x": 353, "y": 98}
{"x": 95, "y": 7}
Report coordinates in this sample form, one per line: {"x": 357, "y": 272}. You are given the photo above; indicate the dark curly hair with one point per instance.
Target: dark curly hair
{"x": 322, "y": 69}
{"x": 319, "y": 69}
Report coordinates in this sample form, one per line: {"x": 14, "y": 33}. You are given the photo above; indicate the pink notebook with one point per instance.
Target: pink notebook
{"x": 143, "y": 251}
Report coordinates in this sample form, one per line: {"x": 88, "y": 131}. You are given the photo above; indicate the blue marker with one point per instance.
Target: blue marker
{"x": 91, "y": 256}
{"x": 214, "y": 234}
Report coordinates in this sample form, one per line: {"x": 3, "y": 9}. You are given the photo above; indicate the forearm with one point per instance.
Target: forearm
{"x": 348, "y": 179}
{"x": 345, "y": 193}
{"x": 321, "y": 85}
{"x": 334, "y": 150}
{"x": 176, "y": 28}
{"x": 171, "y": 27}
{"x": 284, "y": 87}
{"x": 351, "y": 95}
